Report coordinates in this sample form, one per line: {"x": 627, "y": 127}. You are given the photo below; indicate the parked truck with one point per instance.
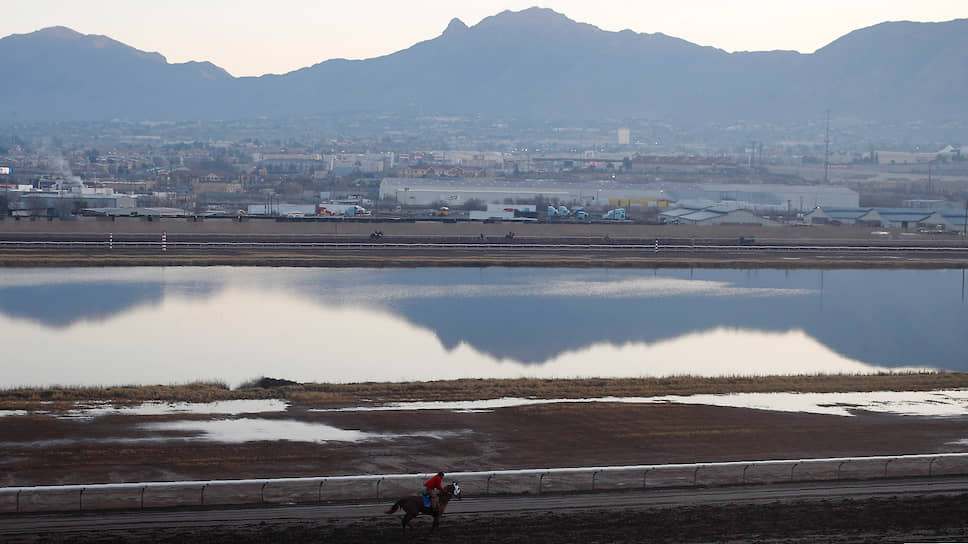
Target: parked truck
{"x": 341, "y": 209}
{"x": 618, "y": 214}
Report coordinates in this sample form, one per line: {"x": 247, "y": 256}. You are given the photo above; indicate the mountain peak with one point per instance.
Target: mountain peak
{"x": 455, "y": 26}
{"x": 535, "y": 63}
{"x": 539, "y": 15}
{"x": 61, "y": 32}
{"x": 64, "y": 37}
{"x": 533, "y": 16}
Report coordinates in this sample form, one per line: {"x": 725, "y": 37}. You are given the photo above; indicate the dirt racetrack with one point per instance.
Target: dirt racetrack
{"x": 934, "y": 518}
{"x": 82, "y": 451}
{"x": 401, "y": 228}
{"x": 129, "y": 241}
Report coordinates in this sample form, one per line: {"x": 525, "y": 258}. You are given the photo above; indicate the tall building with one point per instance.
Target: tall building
{"x": 624, "y": 136}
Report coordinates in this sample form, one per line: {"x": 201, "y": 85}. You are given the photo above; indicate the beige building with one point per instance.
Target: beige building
{"x": 905, "y": 157}
{"x": 624, "y": 136}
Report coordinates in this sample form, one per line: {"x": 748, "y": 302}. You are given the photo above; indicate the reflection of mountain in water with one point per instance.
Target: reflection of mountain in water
{"x": 62, "y": 305}
{"x": 535, "y": 330}
{"x": 900, "y": 330}
{"x": 888, "y": 318}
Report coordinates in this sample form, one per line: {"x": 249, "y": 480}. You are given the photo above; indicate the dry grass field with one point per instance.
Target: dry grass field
{"x": 52, "y": 449}
{"x": 334, "y": 394}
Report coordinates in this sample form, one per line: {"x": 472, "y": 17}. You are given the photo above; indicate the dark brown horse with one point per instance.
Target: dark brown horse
{"x": 413, "y": 506}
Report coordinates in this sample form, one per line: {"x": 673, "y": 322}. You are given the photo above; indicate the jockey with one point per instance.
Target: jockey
{"x": 434, "y": 487}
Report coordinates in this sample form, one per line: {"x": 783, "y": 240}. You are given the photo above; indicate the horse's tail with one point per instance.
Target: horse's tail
{"x": 393, "y": 508}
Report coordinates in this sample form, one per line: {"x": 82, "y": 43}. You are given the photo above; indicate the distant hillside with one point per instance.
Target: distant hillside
{"x": 533, "y": 63}
{"x": 58, "y": 74}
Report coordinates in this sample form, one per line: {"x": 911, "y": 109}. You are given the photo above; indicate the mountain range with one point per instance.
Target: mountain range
{"x": 534, "y": 63}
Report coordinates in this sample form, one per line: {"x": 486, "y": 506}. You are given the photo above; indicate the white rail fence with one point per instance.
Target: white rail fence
{"x": 391, "y": 486}
{"x": 163, "y": 245}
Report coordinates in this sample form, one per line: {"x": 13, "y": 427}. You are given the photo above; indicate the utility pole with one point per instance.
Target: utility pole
{"x": 826, "y": 150}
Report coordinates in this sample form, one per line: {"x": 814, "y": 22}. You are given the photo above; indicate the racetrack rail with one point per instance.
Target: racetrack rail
{"x": 160, "y": 248}
{"x": 122, "y": 247}
{"x": 27, "y": 527}
{"x": 518, "y": 481}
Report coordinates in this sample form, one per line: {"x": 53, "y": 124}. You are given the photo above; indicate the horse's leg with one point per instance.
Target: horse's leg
{"x": 406, "y": 520}
{"x": 437, "y": 514}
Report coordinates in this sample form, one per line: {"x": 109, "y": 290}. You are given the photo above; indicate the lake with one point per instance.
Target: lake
{"x": 114, "y": 326}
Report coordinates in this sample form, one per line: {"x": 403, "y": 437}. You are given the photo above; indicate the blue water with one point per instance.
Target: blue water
{"x": 173, "y": 325}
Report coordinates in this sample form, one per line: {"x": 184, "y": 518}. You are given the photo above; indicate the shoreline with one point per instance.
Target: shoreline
{"x": 90, "y": 242}
{"x": 332, "y": 394}
{"x": 25, "y": 259}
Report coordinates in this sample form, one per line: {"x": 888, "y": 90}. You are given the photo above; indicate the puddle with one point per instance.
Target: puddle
{"x": 944, "y": 403}
{"x": 253, "y": 430}
{"x": 153, "y": 408}
{"x": 919, "y": 403}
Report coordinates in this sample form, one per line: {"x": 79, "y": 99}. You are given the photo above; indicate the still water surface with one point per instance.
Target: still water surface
{"x": 116, "y": 326}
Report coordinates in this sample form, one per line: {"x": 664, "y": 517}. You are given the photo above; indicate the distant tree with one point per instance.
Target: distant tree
{"x": 37, "y": 205}
{"x": 474, "y": 204}
{"x": 541, "y": 203}
{"x": 291, "y": 189}
{"x": 149, "y": 201}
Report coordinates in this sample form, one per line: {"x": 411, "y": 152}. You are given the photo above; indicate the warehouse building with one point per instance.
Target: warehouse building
{"x": 715, "y": 215}
{"x": 777, "y": 198}
{"x": 897, "y": 218}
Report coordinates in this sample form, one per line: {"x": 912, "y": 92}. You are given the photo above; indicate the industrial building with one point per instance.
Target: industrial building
{"x": 777, "y": 198}
{"x": 715, "y": 215}
{"x": 505, "y": 212}
{"x": 898, "y": 218}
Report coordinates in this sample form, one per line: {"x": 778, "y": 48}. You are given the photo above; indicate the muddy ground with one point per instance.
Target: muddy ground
{"x": 46, "y": 450}
{"x": 882, "y": 520}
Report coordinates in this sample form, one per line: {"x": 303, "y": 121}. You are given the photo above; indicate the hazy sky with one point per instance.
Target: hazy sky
{"x": 254, "y": 37}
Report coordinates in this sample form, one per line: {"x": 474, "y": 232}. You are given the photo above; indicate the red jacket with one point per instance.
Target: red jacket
{"x": 435, "y": 483}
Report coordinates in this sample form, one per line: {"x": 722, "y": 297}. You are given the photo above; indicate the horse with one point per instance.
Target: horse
{"x": 413, "y": 506}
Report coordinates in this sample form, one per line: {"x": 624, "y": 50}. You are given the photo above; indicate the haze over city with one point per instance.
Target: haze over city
{"x": 250, "y": 38}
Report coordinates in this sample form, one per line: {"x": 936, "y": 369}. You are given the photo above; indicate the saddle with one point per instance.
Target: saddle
{"x": 426, "y": 500}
